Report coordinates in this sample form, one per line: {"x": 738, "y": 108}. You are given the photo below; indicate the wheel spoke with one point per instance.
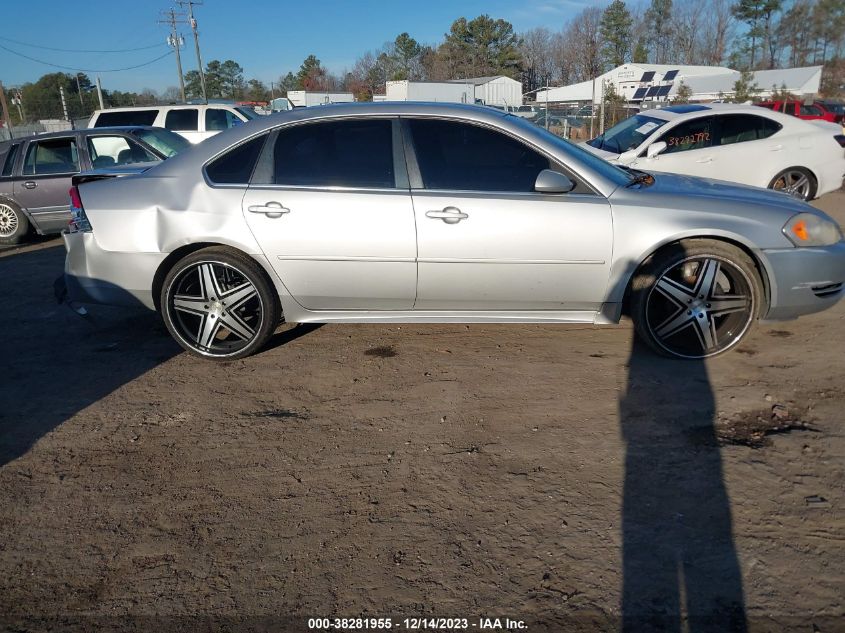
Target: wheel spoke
{"x": 726, "y": 304}
{"x": 705, "y": 329}
{"x": 709, "y": 269}
{"x": 236, "y": 326}
{"x": 674, "y": 324}
{"x": 208, "y": 329}
{"x": 674, "y": 291}
{"x": 192, "y": 305}
{"x": 210, "y": 287}
{"x": 239, "y": 295}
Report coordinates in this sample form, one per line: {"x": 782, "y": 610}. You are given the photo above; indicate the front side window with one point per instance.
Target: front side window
{"x": 182, "y": 120}
{"x": 112, "y": 151}
{"x": 217, "y": 119}
{"x": 739, "y": 128}
{"x": 464, "y": 157}
{"x": 694, "y": 134}
{"x": 810, "y": 110}
{"x": 51, "y": 156}
{"x": 349, "y": 153}
{"x": 9, "y": 162}
{"x": 235, "y": 166}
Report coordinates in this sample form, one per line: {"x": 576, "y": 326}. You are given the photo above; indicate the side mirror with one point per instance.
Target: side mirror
{"x": 549, "y": 181}
{"x": 655, "y": 149}
{"x": 626, "y": 158}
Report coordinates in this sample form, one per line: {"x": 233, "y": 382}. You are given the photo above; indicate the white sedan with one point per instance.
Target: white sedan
{"x": 738, "y": 143}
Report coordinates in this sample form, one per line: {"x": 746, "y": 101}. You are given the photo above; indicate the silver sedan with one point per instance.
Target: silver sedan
{"x": 407, "y": 212}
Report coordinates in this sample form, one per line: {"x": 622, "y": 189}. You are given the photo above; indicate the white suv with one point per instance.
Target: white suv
{"x": 195, "y": 122}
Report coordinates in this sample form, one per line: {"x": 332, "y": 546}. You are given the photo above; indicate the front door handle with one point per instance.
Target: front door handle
{"x": 450, "y": 215}
{"x": 271, "y": 209}
{"x": 30, "y": 184}
{"x": 776, "y": 148}
{"x": 706, "y": 159}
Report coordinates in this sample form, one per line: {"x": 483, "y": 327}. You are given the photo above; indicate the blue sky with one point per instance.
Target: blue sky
{"x": 267, "y": 37}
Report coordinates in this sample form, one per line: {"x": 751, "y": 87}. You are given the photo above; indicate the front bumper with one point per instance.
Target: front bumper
{"x": 94, "y": 275}
{"x": 804, "y": 280}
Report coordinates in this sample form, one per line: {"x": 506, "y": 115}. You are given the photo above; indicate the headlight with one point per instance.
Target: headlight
{"x": 808, "y": 229}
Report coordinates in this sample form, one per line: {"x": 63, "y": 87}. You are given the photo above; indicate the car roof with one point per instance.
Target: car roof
{"x": 87, "y": 130}
{"x": 672, "y": 113}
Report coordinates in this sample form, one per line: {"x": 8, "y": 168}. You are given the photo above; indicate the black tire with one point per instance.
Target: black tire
{"x": 791, "y": 179}
{"x": 14, "y": 225}
{"x": 696, "y": 299}
{"x": 218, "y": 303}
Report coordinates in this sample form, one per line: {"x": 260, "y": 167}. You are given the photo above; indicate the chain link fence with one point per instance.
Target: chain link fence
{"x": 579, "y": 122}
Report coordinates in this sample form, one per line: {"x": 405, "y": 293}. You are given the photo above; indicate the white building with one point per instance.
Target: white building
{"x": 439, "y": 91}
{"x": 496, "y": 90}
{"x": 660, "y": 82}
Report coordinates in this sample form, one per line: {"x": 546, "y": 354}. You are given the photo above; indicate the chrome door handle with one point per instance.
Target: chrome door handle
{"x": 271, "y": 209}
{"x": 450, "y": 215}
{"x": 29, "y": 184}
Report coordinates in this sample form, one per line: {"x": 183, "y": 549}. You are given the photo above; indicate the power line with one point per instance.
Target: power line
{"x": 79, "y": 50}
{"x": 85, "y": 70}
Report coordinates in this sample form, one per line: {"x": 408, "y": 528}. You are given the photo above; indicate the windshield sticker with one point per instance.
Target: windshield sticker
{"x": 647, "y": 127}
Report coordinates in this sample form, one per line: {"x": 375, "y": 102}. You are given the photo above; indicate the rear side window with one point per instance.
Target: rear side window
{"x": 235, "y": 166}
{"x": 126, "y": 117}
{"x": 51, "y": 156}
{"x": 10, "y": 157}
{"x": 217, "y": 119}
{"x": 112, "y": 151}
{"x": 336, "y": 154}
{"x": 182, "y": 120}
{"x": 464, "y": 157}
{"x": 810, "y": 110}
{"x": 789, "y": 108}
{"x": 695, "y": 134}
{"x": 738, "y": 128}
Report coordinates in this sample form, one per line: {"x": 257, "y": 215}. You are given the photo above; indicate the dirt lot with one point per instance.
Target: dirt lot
{"x": 552, "y": 474}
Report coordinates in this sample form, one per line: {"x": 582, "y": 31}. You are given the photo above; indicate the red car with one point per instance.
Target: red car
{"x": 836, "y": 108}
{"x": 799, "y": 109}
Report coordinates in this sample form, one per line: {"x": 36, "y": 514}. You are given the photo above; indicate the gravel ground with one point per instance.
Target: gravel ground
{"x": 560, "y": 475}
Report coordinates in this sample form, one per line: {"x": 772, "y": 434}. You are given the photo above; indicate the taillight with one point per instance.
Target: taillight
{"x": 78, "y": 220}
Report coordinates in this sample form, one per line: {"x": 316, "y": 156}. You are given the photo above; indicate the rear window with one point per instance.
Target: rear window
{"x": 126, "y": 117}
{"x": 9, "y": 162}
{"x": 182, "y": 120}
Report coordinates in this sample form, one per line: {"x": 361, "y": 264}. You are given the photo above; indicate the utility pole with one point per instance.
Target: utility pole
{"x": 193, "y": 24}
{"x": 79, "y": 90}
{"x": 176, "y": 41}
{"x": 5, "y": 107}
{"x": 100, "y": 93}
{"x": 17, "y": 99}
{"x": 64, "y": 106}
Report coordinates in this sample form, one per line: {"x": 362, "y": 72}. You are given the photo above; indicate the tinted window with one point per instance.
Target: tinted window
{"x": 695, "y": 134}
{"x": 738, "y": 128}
{"x": 336, "y": 153}
{"x": 51, "y": 156}
{"x": 217, "y": 119}
{"x": 111, "y": 151}
{"x": 467, "y": 157}
{"x": 810, "y": 110}
{"x": 9, "y": 163}
{"x": 236, "y": 165}
{"x": 789, "y": 108}
{"x": 129, "y": 117}
{"x": 183, "y": 120}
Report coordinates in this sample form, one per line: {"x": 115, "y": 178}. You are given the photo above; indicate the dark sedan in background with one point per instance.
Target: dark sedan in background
{"x": 36, "y": 171}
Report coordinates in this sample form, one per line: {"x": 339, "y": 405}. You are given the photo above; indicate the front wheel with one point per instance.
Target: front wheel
{"x": 695, "y": 299}
{"x": 218, "y": 303}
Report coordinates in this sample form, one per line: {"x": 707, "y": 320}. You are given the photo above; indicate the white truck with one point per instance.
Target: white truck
{"x": 439, "y": 91}
{"x": 306, "y": 98}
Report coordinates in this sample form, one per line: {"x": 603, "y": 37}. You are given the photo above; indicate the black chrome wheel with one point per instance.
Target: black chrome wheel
{"x": 694, "y": 304}
{"x": 219, "y": 305}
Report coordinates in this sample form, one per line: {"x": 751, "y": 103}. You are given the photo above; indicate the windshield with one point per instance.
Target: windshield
{"x": 249, "y": 113}
{"x": 163, "y": 141}
{"x": 629, "y": 134}
{"x": 590, "y": 160}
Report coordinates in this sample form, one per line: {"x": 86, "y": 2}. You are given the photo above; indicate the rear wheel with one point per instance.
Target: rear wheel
{"x": 14, "y": 225}
{"x": 218, "y": 303}
{"x": 797, "y": 182}
{"x": 695, "y": 299}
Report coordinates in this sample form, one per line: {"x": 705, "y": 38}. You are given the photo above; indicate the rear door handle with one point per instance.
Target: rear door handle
{"x": 450, "y": 215}
{"x": 29, "y": 184}
{"x": 706, "y": 159}
{"x": 271, "y": 209}
{"x": 776, "y": 148}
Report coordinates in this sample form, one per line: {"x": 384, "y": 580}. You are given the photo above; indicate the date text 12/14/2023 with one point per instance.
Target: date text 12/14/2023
{"x": 417, "y": 624}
